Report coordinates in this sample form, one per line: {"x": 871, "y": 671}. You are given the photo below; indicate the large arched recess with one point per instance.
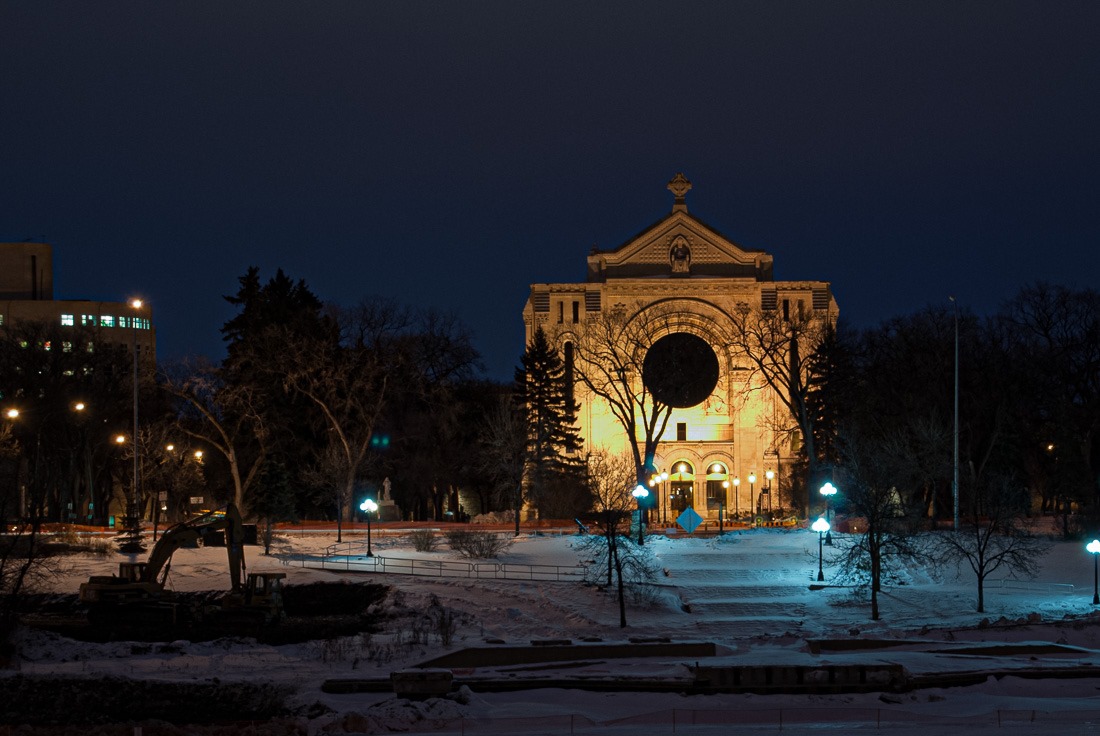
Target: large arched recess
{"x": 666, "y": 322}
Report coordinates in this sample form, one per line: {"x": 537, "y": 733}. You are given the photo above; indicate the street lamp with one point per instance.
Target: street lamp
{"x": 369, "y": 507}
{"x": 722, "y": 504}
{"x": 821, "y": 527}
{"x": 752, "y": 491}
{"x": 769, "y": 475}
{"x": 828, "y": 491}
{"x": 1094, "y": 548}
{"x": 133, "y": 544}
{"x": 736, "y": 497}
{"x": 655, "y": 481}
{"x": 639, "y": 493}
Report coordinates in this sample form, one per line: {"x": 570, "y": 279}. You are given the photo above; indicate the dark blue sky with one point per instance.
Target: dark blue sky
{"x": 452, "y": 153}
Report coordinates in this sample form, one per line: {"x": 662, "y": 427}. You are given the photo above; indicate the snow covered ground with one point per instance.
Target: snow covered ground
{"x": 753, "y": 593}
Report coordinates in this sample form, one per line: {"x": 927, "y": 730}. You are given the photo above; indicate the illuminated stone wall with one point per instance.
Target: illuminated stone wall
{"x": 692, "y": 279}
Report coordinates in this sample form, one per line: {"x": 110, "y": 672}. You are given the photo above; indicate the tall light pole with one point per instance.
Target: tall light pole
{"x": 752, "y": 490}
{"x": 135, "y": 516}
{"x": 769, "y": 475}
{"x": 955, "y": 476}
{"x": 736, "y": 498}
{"x": 639, "y": 493}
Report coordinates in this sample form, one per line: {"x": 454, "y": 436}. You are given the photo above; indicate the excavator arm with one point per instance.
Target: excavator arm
{"x": 187, "y": 532}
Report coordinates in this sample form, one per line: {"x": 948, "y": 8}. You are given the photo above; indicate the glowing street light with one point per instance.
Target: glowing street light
{"x": 828, "y": 491}
{"x": 368, "y": 507}
{"x": 1094, "y": 548}
{"x": 736, "y": 497}
{"x": 821, "y": 527}
{"x": 12, "y": 413}
{"x": 639, "y": 493}
{"x": 769, "y": 475}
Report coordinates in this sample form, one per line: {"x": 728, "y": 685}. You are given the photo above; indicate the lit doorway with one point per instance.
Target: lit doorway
{"x": 681, "y": 483}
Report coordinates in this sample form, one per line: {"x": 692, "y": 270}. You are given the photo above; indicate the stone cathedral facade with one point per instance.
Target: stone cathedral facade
{"x": 729, "y": 445}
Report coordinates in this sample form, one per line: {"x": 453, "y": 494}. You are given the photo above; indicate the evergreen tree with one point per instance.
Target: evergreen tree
{"x": 275, "y": 319}
{"x": 555, "y": 472}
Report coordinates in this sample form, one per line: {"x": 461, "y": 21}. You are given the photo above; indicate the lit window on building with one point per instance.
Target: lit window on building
{"x": 106, "y": 321}
{"x": 67, "y": 320}
{"x": 87, "y": 320}
{"x": 66, "y": 346}
{"x": 68, "y": 372}
{"x": 123, "y": 321}
{"x": 90, "y": 346}
{"x": 47, "y": 346}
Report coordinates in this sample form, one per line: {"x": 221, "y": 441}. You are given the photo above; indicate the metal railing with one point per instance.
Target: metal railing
{"x": 769, "y": 720}
{"x": 1034, "y": 585}
{"x": 483, "y": 570}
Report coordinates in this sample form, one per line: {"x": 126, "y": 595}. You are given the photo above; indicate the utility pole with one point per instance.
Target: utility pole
{"x": 955, "y": 477}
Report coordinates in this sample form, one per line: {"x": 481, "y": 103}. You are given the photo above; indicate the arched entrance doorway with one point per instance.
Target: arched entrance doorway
{"x": 681, "y": 485}
{"x": 718, "y": 483}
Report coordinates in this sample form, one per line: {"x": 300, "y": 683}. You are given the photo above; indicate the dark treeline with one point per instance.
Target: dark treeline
{"x": 317, "y": 406}
{"x": 1028, "y": 408}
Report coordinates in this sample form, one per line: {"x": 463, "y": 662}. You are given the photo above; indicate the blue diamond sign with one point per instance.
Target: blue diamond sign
{"x": 689, "y": 520}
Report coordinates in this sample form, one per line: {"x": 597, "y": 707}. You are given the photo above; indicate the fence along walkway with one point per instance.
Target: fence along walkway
{"x": 792, "y": 720}
{"x": 481, "y": 569}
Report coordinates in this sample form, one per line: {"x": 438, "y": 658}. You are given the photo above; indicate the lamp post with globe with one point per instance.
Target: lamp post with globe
{"x": 639, "y": 493}
{"x": 368, "y": 507}
{"x": 821, "y": 527}
{"x": 828, "y": 490}
{"x": 1094, "y": 548}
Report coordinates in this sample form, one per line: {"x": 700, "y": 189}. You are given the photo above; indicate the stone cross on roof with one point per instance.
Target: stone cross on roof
{"x": 679, "y": 186}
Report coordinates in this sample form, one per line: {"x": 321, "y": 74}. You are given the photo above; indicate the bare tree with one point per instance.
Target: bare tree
{"x": 871, "y": 490}
{"x": 1056, "y": 333}
{"x": 611, "y": 478}
{"x": 610, "y": 353}
{"x": 778, "y": 345}
{"x": 993, "y": 534}
{"x": 504, "y": 444}
{"x": 329, "y": 477}
{"x": 346, "y": 377}
{"x": 221, "y": 417}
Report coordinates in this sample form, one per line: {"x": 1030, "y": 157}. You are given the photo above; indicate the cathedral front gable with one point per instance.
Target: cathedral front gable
{"x": 680, "y": 246}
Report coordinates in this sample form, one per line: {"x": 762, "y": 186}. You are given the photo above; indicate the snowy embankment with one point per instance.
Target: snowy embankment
{"x": 748, "y": 592}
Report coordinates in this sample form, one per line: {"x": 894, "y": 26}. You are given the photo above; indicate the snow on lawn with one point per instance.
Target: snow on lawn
{"x": 750, "y": 592}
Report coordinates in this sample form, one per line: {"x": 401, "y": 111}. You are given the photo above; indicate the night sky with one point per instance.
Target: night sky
{"x": 453, "y": 153}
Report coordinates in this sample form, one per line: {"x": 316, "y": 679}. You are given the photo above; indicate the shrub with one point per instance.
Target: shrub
{"x": 424, "y": 540}
{"x": 477, "y": 545}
